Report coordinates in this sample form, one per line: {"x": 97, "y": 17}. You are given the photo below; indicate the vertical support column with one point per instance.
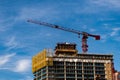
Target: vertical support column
{"x": 82, "y": 71}
{"x": 75, "y": 71}
{"x": 94, "y": 71}
{"x": 64, "y": 70}
{"x": 41, "y": 73}
{"x": 36, "y": 75}
{"x": 47, "y": 73}
{"x": 106, "y": 72}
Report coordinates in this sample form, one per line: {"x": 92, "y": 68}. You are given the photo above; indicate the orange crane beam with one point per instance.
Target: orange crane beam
{"x": 85, "y": 35}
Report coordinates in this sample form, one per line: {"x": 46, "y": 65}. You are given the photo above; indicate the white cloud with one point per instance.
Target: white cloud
{"x": 12, "y": 43}
{"x": 6, "y": 23}
{"x": 114, "y": 3}
{"x": 104, "y": 38}
{"x": 107, "y": 3}
{"x": 98, "y": 6}
{"x": 115, "y": 31}
{"x": 22, "y": 65}
{"x": 29, "y": 78}
{"x": 92, "y": 30}
{"x": 6, "y": 58}
{"x": 84, "y": 26}
{"x": 2, "y": 29}
{"x": 15, "y": 64}
{"x": 111, "y": 33}
{"x": 117, "y": 38}
{"x": 48, "y": 34}
{"x": 37, "y": 13}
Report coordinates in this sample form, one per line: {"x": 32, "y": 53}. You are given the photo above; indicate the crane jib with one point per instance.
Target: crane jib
{"x": 84, "y": 34}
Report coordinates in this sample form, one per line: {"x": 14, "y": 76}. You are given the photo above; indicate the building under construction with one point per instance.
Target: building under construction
{"x": 65, "y": 63}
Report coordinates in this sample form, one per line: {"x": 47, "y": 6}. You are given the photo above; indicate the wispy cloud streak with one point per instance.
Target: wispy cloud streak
{"x": 13, "y": 64}
{"x": 115, "y": 31}
{"x": 6, "y": 58}
{"x": 11, "y": 43}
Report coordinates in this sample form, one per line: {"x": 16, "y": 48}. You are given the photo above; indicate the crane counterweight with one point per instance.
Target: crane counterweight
{"x": 85, "y": 35}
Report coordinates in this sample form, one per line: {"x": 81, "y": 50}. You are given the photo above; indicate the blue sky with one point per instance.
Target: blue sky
{"x": 20, "y": 40}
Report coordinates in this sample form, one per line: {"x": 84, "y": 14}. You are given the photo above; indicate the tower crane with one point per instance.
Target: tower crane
{"x": 85, "y": 35}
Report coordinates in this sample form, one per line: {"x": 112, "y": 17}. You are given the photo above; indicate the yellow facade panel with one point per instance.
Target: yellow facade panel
{"x": 41, "y": 60}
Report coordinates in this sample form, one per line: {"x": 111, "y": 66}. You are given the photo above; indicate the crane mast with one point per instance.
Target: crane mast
{"x": 85, "y": 35}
